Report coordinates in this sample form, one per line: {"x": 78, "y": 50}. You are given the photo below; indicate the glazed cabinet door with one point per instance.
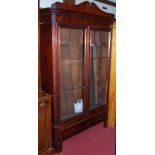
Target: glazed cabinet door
{"x": 71, "y": 72}
{"x": 99, "y": 69}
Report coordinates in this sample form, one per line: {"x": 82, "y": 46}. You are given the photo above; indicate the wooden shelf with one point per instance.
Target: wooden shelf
{"x": 71, "y": 90}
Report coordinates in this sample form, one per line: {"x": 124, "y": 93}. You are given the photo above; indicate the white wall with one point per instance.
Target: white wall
{"x": 47, "y": 3}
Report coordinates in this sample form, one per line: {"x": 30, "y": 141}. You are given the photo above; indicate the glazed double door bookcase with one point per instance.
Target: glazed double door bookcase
{"x": 75, "y": 64}
{"x": 74, "y": 72}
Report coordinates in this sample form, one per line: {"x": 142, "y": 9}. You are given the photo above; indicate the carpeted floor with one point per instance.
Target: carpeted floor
{"x": 94, "y": 141}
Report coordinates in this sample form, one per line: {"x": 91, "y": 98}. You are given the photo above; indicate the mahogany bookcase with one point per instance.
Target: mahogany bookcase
{"x": 75, "y": 44}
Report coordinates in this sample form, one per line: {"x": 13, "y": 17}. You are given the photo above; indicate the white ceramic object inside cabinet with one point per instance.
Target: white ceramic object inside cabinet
{"x": 47, "y": 3}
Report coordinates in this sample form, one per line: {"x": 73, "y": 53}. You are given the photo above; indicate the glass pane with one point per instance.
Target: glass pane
{"x": 97, "y": 95}
{"x": 67, "y": 103}
{"x": 99, "y": 58}
{"x": 99, "y": 44}
{"x": 98, "y": 71}
{"x": 72, "y": 68}
{"x": 71, "y": 75}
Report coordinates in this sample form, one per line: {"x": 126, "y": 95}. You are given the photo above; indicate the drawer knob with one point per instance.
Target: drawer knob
{"x": 42, "y": 104}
